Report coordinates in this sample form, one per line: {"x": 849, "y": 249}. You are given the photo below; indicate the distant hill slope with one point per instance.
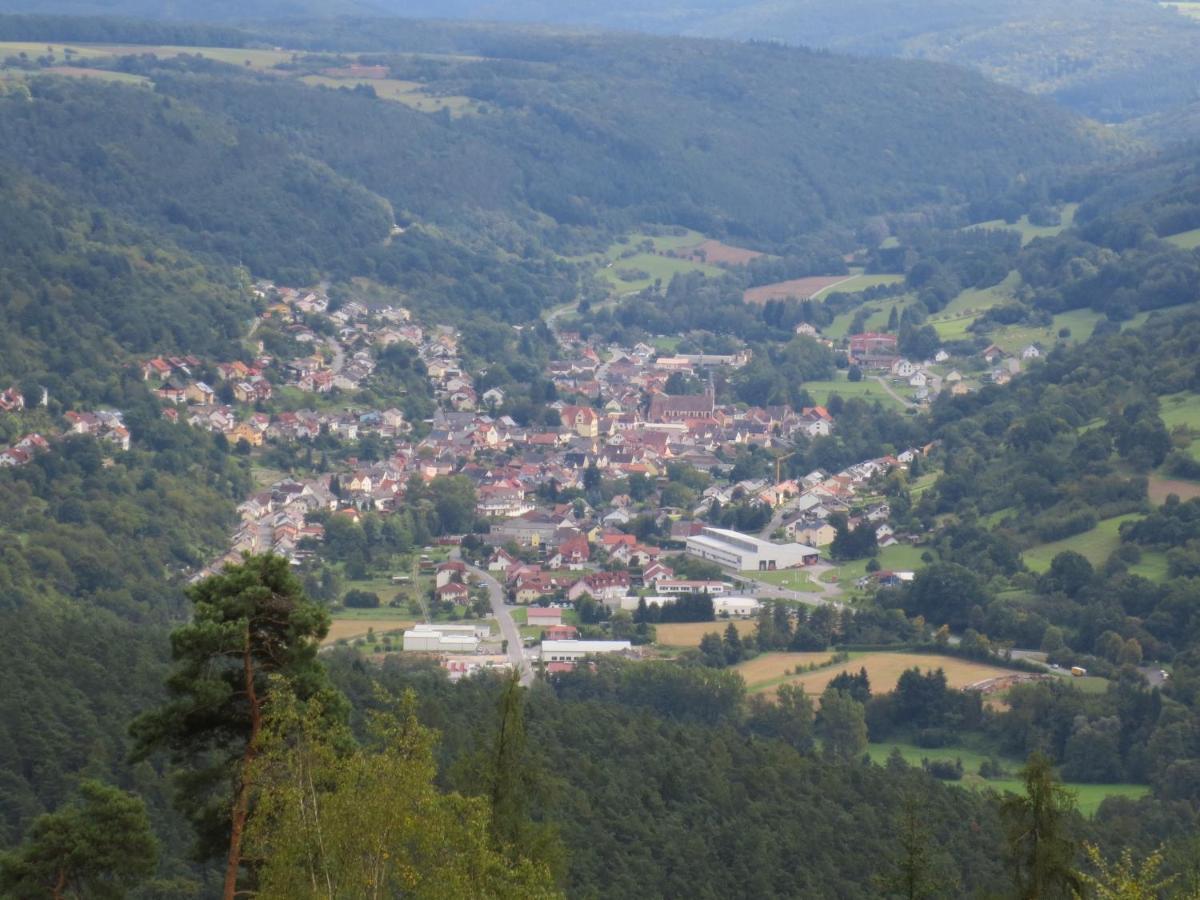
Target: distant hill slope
{"x": 1110, "y": 59}
{"x": 761, "y": 143}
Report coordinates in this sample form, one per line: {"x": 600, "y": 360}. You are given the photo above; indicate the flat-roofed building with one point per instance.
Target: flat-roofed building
{"x": 742, "y": 607}
{"x": 572, "y": 651}
{"x": 743, "y": 552}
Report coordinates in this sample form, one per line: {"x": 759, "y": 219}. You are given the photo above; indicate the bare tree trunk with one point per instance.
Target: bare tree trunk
{"x": 241, "y": 806}
{"x": 60, "y": 883}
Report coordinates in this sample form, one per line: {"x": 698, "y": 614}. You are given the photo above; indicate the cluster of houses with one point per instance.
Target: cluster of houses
{"x": 23, "y": 451}
{"x": 276, "y": 520}
{"x": 107, "y": 425}
{"x": 878, "y": 353}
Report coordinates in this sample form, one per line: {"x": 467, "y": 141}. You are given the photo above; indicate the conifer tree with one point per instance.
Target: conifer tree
{"x": 251, "y": 624}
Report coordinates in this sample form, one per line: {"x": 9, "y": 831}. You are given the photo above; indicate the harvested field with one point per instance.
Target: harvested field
{"x": 771, "y": 668}
{"x": 884, "y": 670}
{"x": 100, "y": 74}
{"x": 797, "y": 288}
{"x": 343, "y": 629}
{"x": 688, "y": 634}
{"x": 717, "y": 253}
{"x": 1161, "y": 487}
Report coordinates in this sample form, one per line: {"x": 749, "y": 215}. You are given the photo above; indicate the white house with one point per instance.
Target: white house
{"x": 1031, "y": 352}
{"x": 902, "y": 368}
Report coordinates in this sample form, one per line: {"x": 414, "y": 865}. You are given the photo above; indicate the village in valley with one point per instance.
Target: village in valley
{"x": 589, "y": 525}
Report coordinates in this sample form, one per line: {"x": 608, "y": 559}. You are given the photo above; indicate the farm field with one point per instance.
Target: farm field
{"x": 797, "y": 288}
{"x": 1030, "y": 231}
{"x": 717, "y": 253}
{"x": 770, "y": 669}
{"x": 1096, "y": 545}
{"x": 1188, "y": 240}
{"x": 867, "y": 389}
{"x": 789, "y": 579}
{"x": 1014, "y": 338}
{"x": 255, "y": 59}
{"x": 688, "y": 634}
{"x": 348, "y": 628}
{"x": 1088, "y": 796}
{"x": 1161, "y": 488}
{"x": 410, "y": 93}
{"x": 884, "y": 670}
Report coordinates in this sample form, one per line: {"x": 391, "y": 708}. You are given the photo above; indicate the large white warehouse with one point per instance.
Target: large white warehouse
{"x": 572, "y": 651}
{"x": 743, "y": 553}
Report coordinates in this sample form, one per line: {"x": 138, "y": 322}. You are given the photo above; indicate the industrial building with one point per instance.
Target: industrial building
{"x": 744, "y": 553}
{"x": 445, "y": 638}
{"x": 572, "y": 651}
{"x": 741, "y": 607}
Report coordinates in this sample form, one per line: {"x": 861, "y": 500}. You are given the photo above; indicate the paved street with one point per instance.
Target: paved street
{"x": 508, "y": 628}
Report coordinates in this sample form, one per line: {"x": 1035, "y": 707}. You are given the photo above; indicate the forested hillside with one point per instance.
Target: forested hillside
{"x": 463, "y": 208}
{"x": 631, "y": 130}
{"x": 82, "y": 291}
{"x": 1114, "y": 60}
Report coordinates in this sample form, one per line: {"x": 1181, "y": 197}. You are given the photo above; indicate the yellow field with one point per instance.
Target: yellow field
{"x": 688, "y": 634}
{"x": 771, "y": 667}
{"x": 884, "y": 670}
{"x": 410, "y": 93}
{"x": 256, "y": 59}
{"x": 345, "y": 629}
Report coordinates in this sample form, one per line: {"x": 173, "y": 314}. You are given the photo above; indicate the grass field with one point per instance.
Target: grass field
{"x": 771, "y": 669}
{"x": 900, "y": 557}
{"x": 877, "y": 321}
{"x": 1188, "y": 240}
{"x": 789, "y": 579}
{"x": 1183, "y": 411}
{"x": 951, "y": 323}
{"x": 867, "y": 389}
{"x": 1030, "y": 231}
{"x": 1088, "y": 796}
{"x": 688, "y": 634}
{"x": 1097, "y": 545}
{"x": 651, "y": 268}
{"x": 859, "y": 283}
{"x": 884, "y": 670}
{"x": 1187, "y": 9}
{"x": 643, "y": 253}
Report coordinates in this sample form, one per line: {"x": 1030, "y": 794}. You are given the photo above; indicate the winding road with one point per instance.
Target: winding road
{"x": 508, "y": 628}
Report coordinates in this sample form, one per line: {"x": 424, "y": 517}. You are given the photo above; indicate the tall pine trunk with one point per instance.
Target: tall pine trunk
{"x": 241, "y": 806}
